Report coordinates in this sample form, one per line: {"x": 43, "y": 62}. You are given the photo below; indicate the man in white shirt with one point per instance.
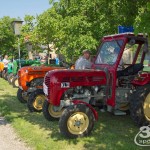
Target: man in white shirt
{"x": 83, "y": 62}
{"x": 5, "y": 61}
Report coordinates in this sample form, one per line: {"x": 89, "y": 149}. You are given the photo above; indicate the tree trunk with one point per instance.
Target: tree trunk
{"x": 30, "y": 53}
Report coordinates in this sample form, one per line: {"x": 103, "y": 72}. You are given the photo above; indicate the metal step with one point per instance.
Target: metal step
{"x": 119, "y": 113}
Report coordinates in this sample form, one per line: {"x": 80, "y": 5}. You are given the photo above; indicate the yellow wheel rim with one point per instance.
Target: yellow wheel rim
{"x": 78, "y": 123}
{"x": 54, "y": 112}
{"x": 147, "y": 107}
{"x": 16, "y": 83}
{"x": 38, "y": 103}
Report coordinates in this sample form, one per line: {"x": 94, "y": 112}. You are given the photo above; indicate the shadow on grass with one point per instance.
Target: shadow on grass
{"x": 16, "y": 110}
{"x": 110, "y": 132}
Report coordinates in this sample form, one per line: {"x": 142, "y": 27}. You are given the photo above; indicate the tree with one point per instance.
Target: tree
{"x": 7, "y": 38}
{"x": 142, "y": 19}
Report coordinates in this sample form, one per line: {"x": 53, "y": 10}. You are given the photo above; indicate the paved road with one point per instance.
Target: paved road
{"x": 9, "y": 139}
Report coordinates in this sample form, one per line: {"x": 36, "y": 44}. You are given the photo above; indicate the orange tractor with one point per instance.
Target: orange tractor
{"x": 30, "y": 90}
{"x": 1, "y": 68}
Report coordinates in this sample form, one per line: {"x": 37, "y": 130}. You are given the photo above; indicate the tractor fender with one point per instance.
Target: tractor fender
{"x": 75, "y": 102}
{"x": 145, "y": 79}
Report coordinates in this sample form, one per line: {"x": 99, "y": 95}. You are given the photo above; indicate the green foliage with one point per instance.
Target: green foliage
{"x": 6, "y": 35}
{"x": 73, "y": 25}
{"x": 142, "y": 20}
{"x": 3, "y": 109}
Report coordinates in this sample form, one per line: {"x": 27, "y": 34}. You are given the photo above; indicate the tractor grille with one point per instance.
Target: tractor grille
{"x": 47, "y": 85}
{"x": 47, "y": 80}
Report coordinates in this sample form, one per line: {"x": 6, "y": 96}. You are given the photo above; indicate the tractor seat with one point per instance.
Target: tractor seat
{"x": 130, "y": 70}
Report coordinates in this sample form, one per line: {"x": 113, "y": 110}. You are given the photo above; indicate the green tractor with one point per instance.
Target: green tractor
{"x": 13, "y": 78}
{"x": 9, "y": 71}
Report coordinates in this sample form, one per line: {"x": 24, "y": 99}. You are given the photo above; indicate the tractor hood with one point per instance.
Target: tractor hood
{"x": 29, "y": 73}
{"x": 57, "y": 81}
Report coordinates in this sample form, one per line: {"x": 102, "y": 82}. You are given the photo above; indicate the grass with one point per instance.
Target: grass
{"x": 110, "y": 132}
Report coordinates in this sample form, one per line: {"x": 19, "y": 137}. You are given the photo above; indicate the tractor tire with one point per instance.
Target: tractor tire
{"x": 5, "y": 75}
{"x": 9, "y": 78}
{"x": 21, "y": 97}
{"x": 50, "y": 113}
{"x": 76, "y": 121}
{"x": 15, "y": 82}
{"x": 140, "y": 106}
{"x": 36, "y": 100}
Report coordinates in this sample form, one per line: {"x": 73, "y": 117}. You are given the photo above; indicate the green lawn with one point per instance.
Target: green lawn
{"x": 110, "y": 132}
{"x": 146, "y": 68}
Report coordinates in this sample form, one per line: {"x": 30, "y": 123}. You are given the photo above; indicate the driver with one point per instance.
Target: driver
{"x": 83, "y": 62}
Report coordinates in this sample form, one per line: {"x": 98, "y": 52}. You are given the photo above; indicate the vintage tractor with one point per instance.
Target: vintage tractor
{"x": 9, "y": 71}
{"x": 31, "y": 86}
{"x": 1, "y": 68}
{"x": 13, "y": 78}
{"x": 73, "y": 94}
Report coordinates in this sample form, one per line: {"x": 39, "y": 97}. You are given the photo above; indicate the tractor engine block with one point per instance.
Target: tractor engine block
{"x": 86, "y": 94}
{"x": 37, "y": 82}
{"x": 122, "y": 97}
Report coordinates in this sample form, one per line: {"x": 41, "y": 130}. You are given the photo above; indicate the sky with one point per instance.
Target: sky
{"x": 20, "y": 8}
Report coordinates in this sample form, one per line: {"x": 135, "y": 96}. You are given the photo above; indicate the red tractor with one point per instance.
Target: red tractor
{"x": 72, "y": 95}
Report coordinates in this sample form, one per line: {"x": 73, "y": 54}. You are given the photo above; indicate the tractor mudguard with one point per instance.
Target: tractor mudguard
{"x": 88, "y": 105}
{"x": 143, "y": 79}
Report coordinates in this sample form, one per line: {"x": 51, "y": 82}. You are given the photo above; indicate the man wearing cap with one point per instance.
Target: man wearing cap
{"x": 83, "y": 62}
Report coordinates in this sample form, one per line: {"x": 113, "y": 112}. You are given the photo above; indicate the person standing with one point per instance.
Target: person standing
{"x": 57, "y": 61}
{"x": 83, "y": 62}
{"x": 5, "y": 61}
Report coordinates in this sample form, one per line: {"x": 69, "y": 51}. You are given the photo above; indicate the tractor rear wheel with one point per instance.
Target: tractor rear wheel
{"x": 76, "y": 121}
{"x": 51, "y": 112}
{"x": 36, "y": 100}
{"x": 15, "y": 81}
{"x": 4, "y": 74}
{"x": 140, "y": 105}
{"x": 22, "y": 97}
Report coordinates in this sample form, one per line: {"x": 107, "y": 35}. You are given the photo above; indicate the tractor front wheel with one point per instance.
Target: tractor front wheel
{"x": 15, "y": 81}
{"x": 22, "y": 96}
{"x": 76, "y": 121}
{"x": 140, "y": 105}
{"x": 51, "y": 112}
{"x": 36, "y": 100}
{"x": 10, "y": 78}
